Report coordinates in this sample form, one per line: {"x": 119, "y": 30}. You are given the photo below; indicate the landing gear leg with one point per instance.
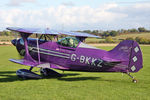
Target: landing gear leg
{"x": 133, "y": 79}
{"x": 30, "y": 68}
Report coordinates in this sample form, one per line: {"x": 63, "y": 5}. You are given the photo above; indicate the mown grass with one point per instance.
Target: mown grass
{"x": 74, "y": 85}
{"x": 94, "y": 40}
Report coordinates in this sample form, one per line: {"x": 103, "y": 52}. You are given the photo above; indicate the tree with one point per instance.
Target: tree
{"x": 113, "y": 33}
{"x": 142, "y": 29}
{"x": 95, "y": 32}
{"x": 123, "y": 31}
{"x": 7, "y": 33}
{"x": 87, "y": 31}
{"x": 105, "y": 34}
{"x": 132, "y": 30}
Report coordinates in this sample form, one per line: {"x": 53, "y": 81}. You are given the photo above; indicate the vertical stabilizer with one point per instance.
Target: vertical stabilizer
{"x": 129, "y": 52}
{"x": 136, "y": 59}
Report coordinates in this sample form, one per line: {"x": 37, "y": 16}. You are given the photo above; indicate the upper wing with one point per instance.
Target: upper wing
{"x": 33, "y": 30}
{"x": 79, "y": 34}
{"x": 51, "y": 32}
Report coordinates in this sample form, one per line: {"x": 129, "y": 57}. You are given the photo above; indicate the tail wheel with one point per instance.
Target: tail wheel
{"x": 134, "y": 81}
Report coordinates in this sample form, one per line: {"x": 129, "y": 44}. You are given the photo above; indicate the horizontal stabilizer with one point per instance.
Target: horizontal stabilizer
{"x": 112, "y": 63}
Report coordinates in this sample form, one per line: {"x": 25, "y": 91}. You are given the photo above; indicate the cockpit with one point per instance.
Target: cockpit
{"x": 69, "y": 42}
{"x": 66, "y": 42}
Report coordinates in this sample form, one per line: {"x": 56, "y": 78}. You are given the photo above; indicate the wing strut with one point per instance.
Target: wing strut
{"x": 37, "y": 43}
{"x": 27, "y": 55}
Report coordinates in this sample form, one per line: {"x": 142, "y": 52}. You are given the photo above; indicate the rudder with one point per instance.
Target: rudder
{"x": 136, "y": 59}
{"x": 129, "y": 53}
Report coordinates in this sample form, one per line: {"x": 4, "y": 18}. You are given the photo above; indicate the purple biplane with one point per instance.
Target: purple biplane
{"x": 71, "y": 54}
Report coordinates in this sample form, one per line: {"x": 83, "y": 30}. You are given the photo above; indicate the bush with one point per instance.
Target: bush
{"x": 4, "y": 44}
{"x": 140, "y": 40}
{"x": 137, "y": 39}
{"x": 144, "y": 41}
{"x": 109, "y": 39}
{"x": 129, "y": 38}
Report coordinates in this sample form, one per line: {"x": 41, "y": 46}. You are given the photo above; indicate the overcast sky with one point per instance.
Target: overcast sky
{"x": 75, "y": 14}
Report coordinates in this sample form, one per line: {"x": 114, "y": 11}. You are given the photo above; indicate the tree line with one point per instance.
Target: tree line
{"x": 96, "y": 32}
{"x": 113, "y": 33}
{"x": 6, "y": 33}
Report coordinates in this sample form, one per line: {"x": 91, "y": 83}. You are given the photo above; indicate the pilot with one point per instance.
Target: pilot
{"x": 71, "y": 44}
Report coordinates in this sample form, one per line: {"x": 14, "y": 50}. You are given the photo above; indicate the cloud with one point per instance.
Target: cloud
{"x": 110, "y": 16}
{"x": 132, "y": 2}
{"x": 137, "y": 14}
{"x": 20, "y": 2}
{"x": 68, "y": 3}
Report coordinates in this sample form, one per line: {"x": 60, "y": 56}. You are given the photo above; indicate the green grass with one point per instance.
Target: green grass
{"x": 93, "y": 40}
{"x": 75, "y": 85}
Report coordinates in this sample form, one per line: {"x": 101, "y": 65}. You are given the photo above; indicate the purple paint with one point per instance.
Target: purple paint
{"x": 120, "y": 59}
{"x": 125, "y": 57}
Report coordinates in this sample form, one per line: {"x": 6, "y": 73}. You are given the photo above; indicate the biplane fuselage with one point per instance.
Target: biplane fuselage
{"x": 77, "y": 57}
{"x": 70, "y": 53}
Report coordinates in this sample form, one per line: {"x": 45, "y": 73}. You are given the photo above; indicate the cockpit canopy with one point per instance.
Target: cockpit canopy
{"x": 69, "y": 42}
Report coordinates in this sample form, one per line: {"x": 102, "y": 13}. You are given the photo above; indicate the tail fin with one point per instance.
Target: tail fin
{"x": 130, "y": 52}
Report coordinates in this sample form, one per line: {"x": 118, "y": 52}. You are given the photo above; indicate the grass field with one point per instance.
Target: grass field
{"x": 75, "y": 85}
{"x": 6, "y": 38}
{"x": 144, "y": 35}
{"x": 93, "y": 40}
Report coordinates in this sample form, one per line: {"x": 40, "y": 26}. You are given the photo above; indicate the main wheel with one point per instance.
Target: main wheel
{"x": 43, "y": 72}
{"x": 27, "y": 74}
{"x": 49, "y": 72}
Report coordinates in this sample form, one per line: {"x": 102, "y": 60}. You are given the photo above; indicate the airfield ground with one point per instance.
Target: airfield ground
{"x": 74, "y": 85}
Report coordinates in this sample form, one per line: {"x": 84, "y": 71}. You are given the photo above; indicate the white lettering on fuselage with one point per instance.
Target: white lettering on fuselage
{"x": 87, "y": 60}
{"x": 99, "y": 63}
{"x": 82, "y": 58}
{"x": 73, "y": 57}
